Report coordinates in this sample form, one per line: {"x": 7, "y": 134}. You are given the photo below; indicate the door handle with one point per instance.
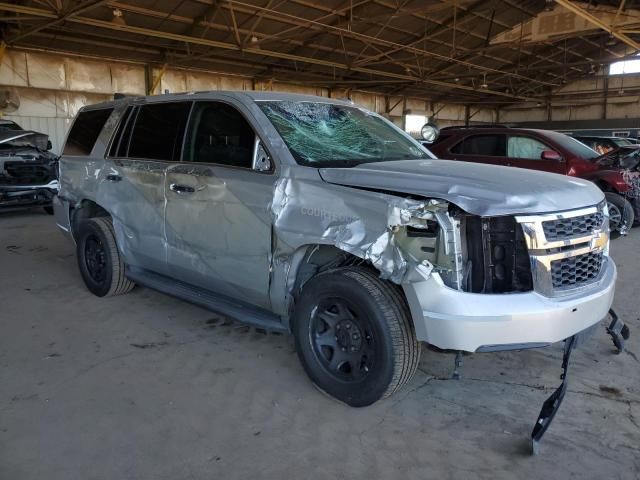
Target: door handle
{"x": 180, "y": 189}
{"x": 114, "y": 178}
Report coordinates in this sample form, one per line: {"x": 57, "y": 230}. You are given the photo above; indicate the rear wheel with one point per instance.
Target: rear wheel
{"x": 621, "y": 215}
{"x": 99, "y": 260}
{"x": 354, "y": 335}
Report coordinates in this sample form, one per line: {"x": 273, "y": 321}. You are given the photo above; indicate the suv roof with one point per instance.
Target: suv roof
{"x": 495, "y": 129}
{"x": 471, "y": 127}
{"x": 217, "y": 94}
{"x": 603, "y": 137}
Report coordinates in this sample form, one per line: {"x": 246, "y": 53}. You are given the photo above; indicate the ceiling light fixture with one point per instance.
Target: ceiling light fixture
{"x": 484, "y": 82}
{"x": 118, "y": 17}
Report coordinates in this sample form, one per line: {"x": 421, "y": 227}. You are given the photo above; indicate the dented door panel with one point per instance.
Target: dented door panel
{"x": 134, "y": 191}
{"x": 219, "y": 235}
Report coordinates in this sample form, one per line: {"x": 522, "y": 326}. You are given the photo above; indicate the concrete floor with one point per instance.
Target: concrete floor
{"x": 144, "y": 386}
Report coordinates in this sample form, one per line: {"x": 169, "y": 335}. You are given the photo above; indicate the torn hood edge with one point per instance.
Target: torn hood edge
{"x": 478, "y": 189}
{"x": 24, "y": 138}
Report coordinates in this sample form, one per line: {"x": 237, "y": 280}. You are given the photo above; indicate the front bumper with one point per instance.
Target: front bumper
{"x": 25, "y": 196}
{"x": 452, "y": 319}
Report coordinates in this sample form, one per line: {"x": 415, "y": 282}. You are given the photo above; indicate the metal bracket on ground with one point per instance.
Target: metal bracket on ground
{"x": 552, "y": 404}
{"x": 456, "y": 375}
{"x": 618, "y": 331}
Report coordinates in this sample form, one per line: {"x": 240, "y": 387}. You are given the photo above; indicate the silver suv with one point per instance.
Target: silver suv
{"x": 320, "y": 218}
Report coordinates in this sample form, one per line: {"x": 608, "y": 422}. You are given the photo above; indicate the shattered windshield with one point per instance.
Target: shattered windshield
{"x": 330, "y": 135}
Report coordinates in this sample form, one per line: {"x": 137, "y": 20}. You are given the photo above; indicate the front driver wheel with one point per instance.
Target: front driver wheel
{"x": 354, "y": 335}
{"x": 621, "y": 215}
{"x": 101, "y": 266}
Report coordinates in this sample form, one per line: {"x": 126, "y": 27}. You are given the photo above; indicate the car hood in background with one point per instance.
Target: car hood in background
{"x": 23, "y": 138}
{"x": 626, "y": 157}
{"x": 476, "y": 188}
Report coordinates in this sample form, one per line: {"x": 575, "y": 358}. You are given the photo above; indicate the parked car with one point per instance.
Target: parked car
{"x": 317, "y": 217}
{"x": 602, "y": 145}
{"x": 627, "y": 160}
{"x": 543, "y": 150}
{"x": 28, "y": 169}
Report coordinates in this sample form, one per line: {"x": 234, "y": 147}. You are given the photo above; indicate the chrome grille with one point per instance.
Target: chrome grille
{"x": 568, "y": 250}
{"x": 563, "y": 228}
{"x": 574, "y": 271}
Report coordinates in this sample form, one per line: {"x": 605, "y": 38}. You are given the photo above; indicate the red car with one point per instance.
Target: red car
{"x": 542, "y": 150}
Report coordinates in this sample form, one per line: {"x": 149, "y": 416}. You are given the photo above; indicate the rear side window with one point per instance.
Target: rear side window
{"x": 121, "y": 140}
{"x": 489, "y": 145}
{"x": 158, "y": 131}
{"x": 85, "y": 131}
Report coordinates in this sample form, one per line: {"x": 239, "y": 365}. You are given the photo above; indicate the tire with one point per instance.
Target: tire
{"x": 354, "y": 335}
{"x": 621, "y": 215}
{"x": 99, "y": 260}
{"x": 49, "y": 210}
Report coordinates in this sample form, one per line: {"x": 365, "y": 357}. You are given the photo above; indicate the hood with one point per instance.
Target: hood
{"x": 484, "y": 190}
{"x": 626, "y": 157}
{"x": 24, "y": 138}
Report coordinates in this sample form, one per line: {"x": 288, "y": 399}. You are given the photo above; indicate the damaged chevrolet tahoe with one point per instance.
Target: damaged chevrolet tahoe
{"x": 317, "y": 217}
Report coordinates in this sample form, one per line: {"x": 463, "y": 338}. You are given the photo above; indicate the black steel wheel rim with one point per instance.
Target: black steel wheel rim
{"x": 95, "y": 258}
{"x": 615, "y": 216}
{"x": 342, "y": 339}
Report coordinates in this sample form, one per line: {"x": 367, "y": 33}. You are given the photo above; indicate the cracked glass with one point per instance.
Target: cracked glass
{"x": 330, "y": 135}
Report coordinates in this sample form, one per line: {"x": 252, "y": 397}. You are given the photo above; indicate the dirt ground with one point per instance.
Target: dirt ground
{"x": 145, "y": 386}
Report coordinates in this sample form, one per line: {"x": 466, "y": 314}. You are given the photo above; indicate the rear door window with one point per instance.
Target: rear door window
{"x": 85, "y": 131}
{"x": 491, "y": 145}
{"x": 158, "y": 131}
{"x": 120, "y": 142}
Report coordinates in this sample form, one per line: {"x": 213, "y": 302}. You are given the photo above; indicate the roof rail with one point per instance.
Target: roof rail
{"x": 484, "y": 125}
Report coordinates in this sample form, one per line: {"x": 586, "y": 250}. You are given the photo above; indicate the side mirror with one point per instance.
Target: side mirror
{"x": 261, "y": 159}
{"x": 551, "y": 155}
{"x": 430, "y": 132}
{"x": 49, "y": 145}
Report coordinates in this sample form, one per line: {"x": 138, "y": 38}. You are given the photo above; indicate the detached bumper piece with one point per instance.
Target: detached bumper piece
{"x": 552, "y": 404}
{"x": 618, "y": 331}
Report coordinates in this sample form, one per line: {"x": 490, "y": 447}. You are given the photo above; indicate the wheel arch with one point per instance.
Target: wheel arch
{"x": 83, "y": 210}
{"x": 610, "y": 181}
{"x": 308, "y": 261}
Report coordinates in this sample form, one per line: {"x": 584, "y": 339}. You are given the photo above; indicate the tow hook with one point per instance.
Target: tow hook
{"x": 618, "y": 331}
{"x": 552, "y": 404}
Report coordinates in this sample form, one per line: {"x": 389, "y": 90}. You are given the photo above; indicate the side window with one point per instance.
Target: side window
{"x": 218, "y": 133}
{"x": 158, "y": 131}
{"x": 85, "y": 131}
{"x": 490, "y": 145}
{"x": 525, "y": 147}
{"x": 121, "y": 139}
